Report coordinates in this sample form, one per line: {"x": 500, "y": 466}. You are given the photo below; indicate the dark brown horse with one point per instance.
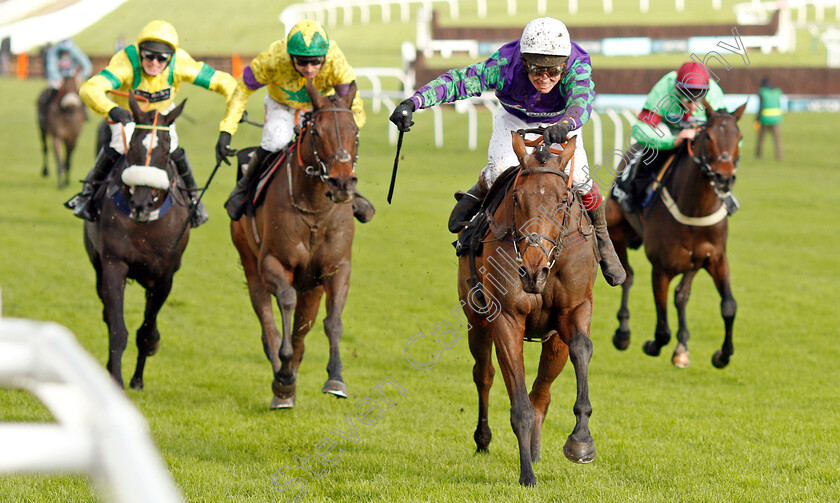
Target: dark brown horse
{"x": 536, "y": 271}
{"x": 139, "y": 236}
{"x": 61, "y": 119}
{"x": 684, "y": 230}
{"x": 297, "y": 245}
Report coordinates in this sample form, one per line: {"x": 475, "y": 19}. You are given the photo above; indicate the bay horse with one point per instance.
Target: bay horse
{"x": 684, "y": 229}
{"x": 139, "y": 235}
{"x": 61, "y": 120}
{"x": 537, "y": 271}
{"x": 296, "y": 245}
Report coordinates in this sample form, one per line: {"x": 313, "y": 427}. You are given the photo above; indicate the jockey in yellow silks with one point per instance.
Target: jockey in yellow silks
{"x": 306, "y": 53}
{"x": 154, "y": 69}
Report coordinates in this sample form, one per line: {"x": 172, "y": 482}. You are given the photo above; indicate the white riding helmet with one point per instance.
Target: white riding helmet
{"x": 545, "y": 42}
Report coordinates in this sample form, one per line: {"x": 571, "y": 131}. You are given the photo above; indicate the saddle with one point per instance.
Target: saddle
{"x": 471, "y": 240}
{"x": 257, "y": 184}
{"x": 639, "y": 171}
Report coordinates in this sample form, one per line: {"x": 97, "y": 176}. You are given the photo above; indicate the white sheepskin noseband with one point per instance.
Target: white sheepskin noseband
{"x": 146, "y": 176}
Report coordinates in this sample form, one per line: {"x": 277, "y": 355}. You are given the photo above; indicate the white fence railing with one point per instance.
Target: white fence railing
{"x": 97, "y": 430}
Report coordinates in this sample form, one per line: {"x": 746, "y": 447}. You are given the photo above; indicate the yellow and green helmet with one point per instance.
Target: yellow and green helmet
{"x": 308, "y": 38}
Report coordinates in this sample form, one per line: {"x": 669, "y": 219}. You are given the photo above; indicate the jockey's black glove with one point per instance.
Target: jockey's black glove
{"x": 402, "y": 115}
{"x": 121, "y": 115}
{"x": 223, "y": 148}
{"x": 556, "y": 133}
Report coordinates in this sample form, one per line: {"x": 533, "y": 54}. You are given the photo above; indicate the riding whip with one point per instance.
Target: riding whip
{"x": 194, "y": 206}
{"x": 396, "y": 162}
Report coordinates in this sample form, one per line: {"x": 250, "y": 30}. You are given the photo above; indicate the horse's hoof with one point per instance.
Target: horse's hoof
{"x": 336, "y": 388}
{"x": 719, "y": 360}
{"x": 282, "y": 403}
{"x": 528, "y": 480}
{"x": 681, "y": 358}
{"x": 621, "y": 339}
{"x": 283, "y": 390}
{"x": 651, "y": 348}
{"x": 136, "y": 384}
{"x": 579, "y": 452}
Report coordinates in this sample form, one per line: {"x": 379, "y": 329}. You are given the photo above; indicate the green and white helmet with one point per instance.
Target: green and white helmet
{"x": 308, "y": 38}
{"x": 545, "y": 42}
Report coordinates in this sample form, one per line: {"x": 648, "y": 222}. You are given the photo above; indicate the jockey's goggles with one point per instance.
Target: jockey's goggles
{"x": 688, "y": 94}
{"x": 303, "y": 61}
{"x": 551, "y": 71}
{"x": 156, "y": 56}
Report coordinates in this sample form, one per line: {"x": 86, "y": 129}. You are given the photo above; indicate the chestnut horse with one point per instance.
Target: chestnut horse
{"x": 296, "y": 246}
{"x": 139, "y": 235}
{"x": 61, "y": 119}
{"x": 536, "y": 275}
{"x": 684, "y": 230}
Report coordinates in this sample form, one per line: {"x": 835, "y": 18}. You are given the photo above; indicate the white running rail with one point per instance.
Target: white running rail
{"x": 97, "y": 430}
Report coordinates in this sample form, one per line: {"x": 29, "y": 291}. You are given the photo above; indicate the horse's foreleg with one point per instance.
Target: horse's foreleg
{"x": 681, "y": 358}
{"x": 306, "y": 311}
{"x": 508, "y": 337}
{"x": 70, "y": 146}
{"x": 44, "y": 171}
{"x": 112, "y": 293}
{"x": 148, "y": 337}
{"x": 553, "y": 358}
{"x": 336, "y": 285}
{"x": 580, "y": 447}
{"x": 728, "y": 308}
{"x": 278, "y": 281}
{"x": 481, "y": 348}
{"x": 58, "y": 162}
{"x": 662, "y": 336}
{"x": 621, "y": 337}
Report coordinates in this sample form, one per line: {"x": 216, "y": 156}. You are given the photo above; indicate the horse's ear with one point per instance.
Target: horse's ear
{"x": 132, "y": 104}
{"x": 709, "y": 109}
{"x": 171, "y": 116}
{"x": 314, "y": 95}
{"x": 519, "y": 146}
{"x": 568, "y": 151}
{"x": 347, "y": 99}
{"x": 739, "y": 111}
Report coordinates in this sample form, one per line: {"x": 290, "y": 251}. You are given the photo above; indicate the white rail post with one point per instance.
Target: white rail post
{"x": 511, "y": 7}
{"x": 597, "y": 135}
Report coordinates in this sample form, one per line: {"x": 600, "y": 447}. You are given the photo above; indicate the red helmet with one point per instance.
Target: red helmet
{"x": 693, "y": 76}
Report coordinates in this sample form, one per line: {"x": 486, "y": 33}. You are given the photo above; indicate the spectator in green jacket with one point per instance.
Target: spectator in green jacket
{"x": 769, "y": 117}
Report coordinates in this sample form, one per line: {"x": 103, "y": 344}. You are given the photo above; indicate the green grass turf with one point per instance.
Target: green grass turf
{"x": 764, "y": 429}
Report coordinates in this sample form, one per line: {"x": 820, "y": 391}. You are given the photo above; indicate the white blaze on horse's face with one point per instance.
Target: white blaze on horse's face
{"x": 150, "y": 141}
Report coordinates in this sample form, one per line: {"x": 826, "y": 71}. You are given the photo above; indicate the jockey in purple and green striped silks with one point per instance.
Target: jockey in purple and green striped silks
{"x": 541, "y": 80}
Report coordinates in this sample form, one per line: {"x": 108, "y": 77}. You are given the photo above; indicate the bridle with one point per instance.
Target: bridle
{"x": 707, "y": 164}
{"x": 152, "y": 144}
{"x": 536, "y": 239}
{"x": 323, "y": 167}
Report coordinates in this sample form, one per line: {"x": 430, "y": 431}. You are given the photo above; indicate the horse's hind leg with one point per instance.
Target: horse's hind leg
{"x": 336, "y": 286}
{"x": 621, "y": 337}
{"x": 662, "y": 336}
{"x": 507, "y": 336}
{"x": 44, "y": 170}
{"x": 728, "y": 307}
{"x": 681, "y": 358}
{"x": 481, "y": 348}
{"x": 70, "y": 146}
{"x": 148, "y": 338}
{"x": 553, "y": 358}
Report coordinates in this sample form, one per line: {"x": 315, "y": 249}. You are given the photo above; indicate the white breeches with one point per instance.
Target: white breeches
{"x": 500, "y": 155}
{"x": 279, "y": 128}
{"x": 118, "y": 144}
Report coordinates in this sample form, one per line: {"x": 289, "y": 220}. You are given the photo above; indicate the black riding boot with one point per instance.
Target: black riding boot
{"x": 82, "y": 204}
{"x": 468, "y": 204}
{"x": 235, "y": 204}
{"x": 363, "y": 209}
{"x": 610, "y": 265}
{"x": 179, "y": 157}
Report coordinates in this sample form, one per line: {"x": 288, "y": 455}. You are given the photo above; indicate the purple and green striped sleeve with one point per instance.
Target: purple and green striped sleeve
{"x": 460, "y": 83}
{"x": 580, "y": 93}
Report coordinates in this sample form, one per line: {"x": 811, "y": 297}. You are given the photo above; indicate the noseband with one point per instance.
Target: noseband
{"x": 706, "y": 163}
{"x": 322, "y": 168}
{"x": 534, "y": 239}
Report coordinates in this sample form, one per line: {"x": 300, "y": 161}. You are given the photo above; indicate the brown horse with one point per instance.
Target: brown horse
{"x": 139, "y": 235}
{"x": 60, "y": 118}
{"x": 684, "y": 230}
{"x": 536, "y": 276}
{"x": 296, "y": 246}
